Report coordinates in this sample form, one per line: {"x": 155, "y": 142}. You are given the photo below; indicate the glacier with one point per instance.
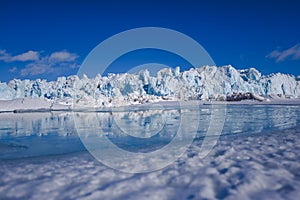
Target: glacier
{"x": 203, "y": 83}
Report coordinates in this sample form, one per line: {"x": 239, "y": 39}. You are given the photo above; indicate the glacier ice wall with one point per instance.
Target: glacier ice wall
{"x": 208, "y": 82}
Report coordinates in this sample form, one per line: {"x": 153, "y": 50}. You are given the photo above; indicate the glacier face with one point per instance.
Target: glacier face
{"x": 208, "y": 82}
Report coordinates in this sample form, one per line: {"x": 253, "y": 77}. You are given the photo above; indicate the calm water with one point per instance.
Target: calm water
{"x": 256, "y": 156}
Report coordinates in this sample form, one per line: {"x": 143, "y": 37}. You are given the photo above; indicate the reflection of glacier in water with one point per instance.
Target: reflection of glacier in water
{"x": 257, "y": 155}
{"x": 144, "y": 131}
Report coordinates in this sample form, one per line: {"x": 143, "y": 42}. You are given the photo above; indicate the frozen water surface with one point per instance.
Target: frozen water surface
{"x": 256, "y": 157}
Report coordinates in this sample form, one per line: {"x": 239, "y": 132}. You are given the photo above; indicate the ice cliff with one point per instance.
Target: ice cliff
{"x": 209, "y": 82}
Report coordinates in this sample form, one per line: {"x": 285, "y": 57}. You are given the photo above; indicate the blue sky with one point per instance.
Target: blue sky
{"x": 47, "y": 39}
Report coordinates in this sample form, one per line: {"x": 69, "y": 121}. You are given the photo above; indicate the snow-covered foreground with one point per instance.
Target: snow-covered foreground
{"x": 256, "y": 157}
{"x": 239, "y": 167}
{"x": 205, "y": 83}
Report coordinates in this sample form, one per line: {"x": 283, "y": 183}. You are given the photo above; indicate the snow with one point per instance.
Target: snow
{"x": 208, "y": 82}
{"x": 31, "y": 104}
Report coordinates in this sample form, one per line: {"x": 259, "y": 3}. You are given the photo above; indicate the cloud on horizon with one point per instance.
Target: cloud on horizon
{"x": 37, "y": 64}
{"x": 292, "y": 53}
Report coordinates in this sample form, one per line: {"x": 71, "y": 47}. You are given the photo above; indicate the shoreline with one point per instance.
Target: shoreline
{"x": 41, "y": 105}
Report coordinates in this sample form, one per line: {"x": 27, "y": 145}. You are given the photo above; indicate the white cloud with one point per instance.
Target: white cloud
{"x": 62, "y": 56}
{"x": 4, "y": 56}
{"x": 36, "y": 69}
{"x": 55, "y": 63}
{"x": 13, "y": 69}
{"x": 28, "y": 56}
{"x": 292, "y": 53}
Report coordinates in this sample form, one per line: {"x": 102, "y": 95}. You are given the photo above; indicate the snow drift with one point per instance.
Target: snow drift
{"x": 209, "y": 82}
